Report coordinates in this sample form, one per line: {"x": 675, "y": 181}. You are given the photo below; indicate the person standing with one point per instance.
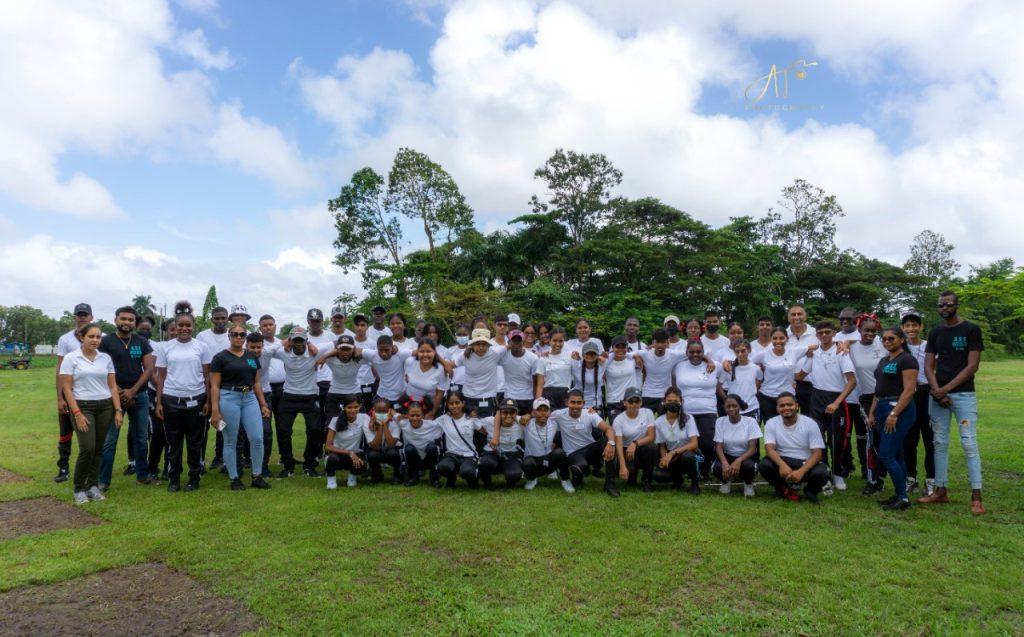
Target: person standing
{"x": 556, "y": 367}
{"x": 158, "y": 435}
{"x": 216, "y": 340}
{"x": 714, "y": 343}
{"x": 631, "y": 336}
{"x": 340, "y": 358}
{"x": 300, "y": 396}
{"x": 865, "y": 354}
{"x": 764, "y": 336}
{"x": 658, "y": 362}
{"x": 922, "y": 427}
{"x": 583, "y": 337}
{"x": 265, "y": 353}
{"x": 367, "y": 378}
{"x": 620, "y": 373}
{"x": 524, "y": 381}
{"x": 66, "y": 344}
{"x": 952, "y": 358}
{"x": 800, "y": 337}
{"x": 87, "y": 380}
{"x": 425, "y": 376}
{"x": 133, "y": 360}
{"x": 379, "y": 327}
{"x": 324, "y": 342}
{"x": 696, "y": 379}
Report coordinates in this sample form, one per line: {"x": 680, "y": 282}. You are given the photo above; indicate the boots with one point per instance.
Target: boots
{"x": 609, "y": 479}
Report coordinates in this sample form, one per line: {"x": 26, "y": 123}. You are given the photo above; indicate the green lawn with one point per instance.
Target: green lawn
{"x": 419, "y": 561}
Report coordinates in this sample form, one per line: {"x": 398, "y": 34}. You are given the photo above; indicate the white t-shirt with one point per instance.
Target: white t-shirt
{"x": 538, "y": 441}
{"x": 632, "y": 429}
{"x": 184, "y": 363}
{"x": 372, "y": 334}
{"x": 369, "y": 434}
{"x": 508, "y": 438}
{"x": 793, "y": 442}
{"x": 408, "y": 345}
{"x": 557, "y": 369}
{"x": 827, "y": 369}
{"x": 842, "y": 337}
{"x": 419, "y": 383}
{"x": 519, "y": 373}
{"x": 459, "y": 373}
{"x": 268, "y": 362}
{"x": 587, "y": 382}
{"x": 735, "y": 436}
{"x": 350, "y": 438}
{"x": 500, "y": 372}
{"x": 678, "y": 346}
{"x": 68, "y": 343}
{"x": 779, "y": 371}
{"x": 865, "y": 359}
{"x": 757, "y": 348}
{"x": 745, "y": 385}
{"x": 698, "y": 387}
{"x": 618, "y": 377}
{"x": 808, "y": 338}
{"x": 299, "y": 372}
{"x": 576, "y": 432}
{"x": 324, "y": 344}
{"x": 458, "y": 434}
{"x": 365, "y": 376}
{"x": 671, "y": 434}
{"x": 481, "y": 380}
{"x": 216, "y": 343}
{"x": 713, "y": 346}
{"x": 659, "y": 371}
{"x": 576, "y": 345}
{"x": 419, "y": 437}
{"x": 89, "y": 377}
{"x": 344, "y": 376}
{"x": 919, "y": 353}
{"x": 390, "y": 371}
{"x": 634, "y": 348}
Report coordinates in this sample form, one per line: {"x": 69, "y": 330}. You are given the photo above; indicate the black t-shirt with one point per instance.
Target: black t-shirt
{"x": 127, "y": 357}
{"x": 950, "y": 346}
{"x": 236, "y": 371}
{"x": 889, "y": 374}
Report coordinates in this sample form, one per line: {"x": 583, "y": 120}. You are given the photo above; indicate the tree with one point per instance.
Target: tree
{"x": 28, "y": 325}
{"x": 931, "y": 257}
{"x": 998, "y": 269}
{"x": 285, "y": 330}
{"x": 210, "y": 302}
{"x": 144, "y": 305}
{"x": 809, "y": 237}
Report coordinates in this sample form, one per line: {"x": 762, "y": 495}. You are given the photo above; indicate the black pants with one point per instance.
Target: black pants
{"x": 612, "y": 410}
{"x": 484, "y": 407}
{"x": 323, "y": 386}
{"x": 860, "y": 426}
{"x": 878, "y": 472}
{"x": 580, "y": 461}
{"x": 537, "y": 466}
{"x": 292, "y": 405}
{"x": 834, "y": 428}
{"x": 157, "y": 439}
{"x": 417, "y": 461}
{"x": 337, "y": 461}
{"x": 748, "y": 468}
{"x": 684, "y": 464}
{"x": 67, "y": 432}
{"x": 706, "y": 441}
{"x": 184, "y": 425}
{"x": 452, "y": 466}
{"x": 921, "y": 429}
{"x": 524, "y": 405}
{"x": 814, "y": 479}
{"x": 643, "y": 462}
{"x": 768, "y": 407}
{"x": 510, "y": 464}
{"x": 274, "y": 397}
{"x": 803, "y": 396}
{"x": 368, "y": 392}
{"x": 334, "y": 403}
{"x": 557, "y": 396}
{"x": 377, "y": 458}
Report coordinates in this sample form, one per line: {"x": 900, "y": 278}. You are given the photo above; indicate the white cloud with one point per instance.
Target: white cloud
{"x": 147, "y": 256}
{"x": 193, "y": 44}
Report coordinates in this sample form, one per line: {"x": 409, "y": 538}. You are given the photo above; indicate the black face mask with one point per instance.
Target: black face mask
{"x": 673, "y": 408}
{"x": 145, "y": 333}
{"x": 672, "y": 330}
{"x": 711, "y": 329}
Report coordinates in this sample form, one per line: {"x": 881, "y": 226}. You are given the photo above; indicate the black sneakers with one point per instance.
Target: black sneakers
{"x": 173, "y": 487}
{"x": 611, "y": 489}
{"x": 311, "y": 473}
{"x": 898, "y": 505}
{"x": 236, "y": 485}
{"x": 259, "y": 483}
{"x": 129, "y": 469}
{"x": 192, "y": 484}
{"x": 62, "y": 476}
{"x": 286, "y": 473}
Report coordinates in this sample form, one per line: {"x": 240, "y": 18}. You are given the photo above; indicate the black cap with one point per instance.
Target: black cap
{"x": 346, "y": 341}
{"x": 620, "y": 340}
{"x": 509, "y": 404}
{"x": 632, "y": 392}
{"x": 314, "y": 315}
{"x": 379, "y": 308}
{"x": 384, "y": 339}
{"x": 83, "y": 308}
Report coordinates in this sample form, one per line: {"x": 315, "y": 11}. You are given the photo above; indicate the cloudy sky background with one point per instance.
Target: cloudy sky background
{"x": 157, "y": 147}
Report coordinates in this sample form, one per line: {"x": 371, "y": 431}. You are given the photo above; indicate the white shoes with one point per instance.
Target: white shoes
{"x": 332, "y": 482}
{"x": 567, "y": 485}
{"x": 352, "y": 480}
{"x": 553, "y": 475}
{"x": 827, "y": 489}
{"x": 840, "y": 483}
{"x": 81, "y": 497}
{"x": 94, "y": 493}
{"x": 725, "y": 488}
{"x": 929, "y": 486}
{"x": 748, "y": 490}
{"x": 530, "y": 484}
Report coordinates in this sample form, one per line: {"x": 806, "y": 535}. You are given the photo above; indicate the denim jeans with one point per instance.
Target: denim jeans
{"x": 241, "y": 410}
{"x": 138, "y": 436}
{"x": 965, "y": 408}
{"x": 890, "y": 449}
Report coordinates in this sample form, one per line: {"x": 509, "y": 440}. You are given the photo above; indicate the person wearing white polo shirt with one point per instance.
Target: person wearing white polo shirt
{"x": 631, "y": 335}
{"x": 620, "y": 373}
{"x": 67, "y": 343}
{"x": 800, "y": 336}
{"x": 736, "y": 443}
{"x": 582, "y": 338}
{"x": 541, "y": 453}
{"x": 216, "y": 340}
{"x": 388, "y": 362}
{"x": 793, "y": 452}
{"x": 524, "y": 376}
{"x": 583, "y": 453}
{"x": 367, "y": 377}
{"x": 635, "y": 449}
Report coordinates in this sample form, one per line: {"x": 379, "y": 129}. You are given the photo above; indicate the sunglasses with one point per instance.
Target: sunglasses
{"x": 237, "y": 334}
{"x": 942, "y": 305}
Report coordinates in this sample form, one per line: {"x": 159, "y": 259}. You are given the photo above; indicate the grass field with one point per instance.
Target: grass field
{"x": 390, "y": 559}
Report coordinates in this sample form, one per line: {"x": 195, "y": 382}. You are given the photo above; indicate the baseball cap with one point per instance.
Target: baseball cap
{"x": 632, "y": 392}
{"x": 541, "y": 402}
{"x": 591, "y": 346}
{"x": 346, "y": 341}
{"x": 83, "y": 308}
{"x": 314, "y": 315}
{"x": 239, "y": 309}
{"x": 337, "y": 310}
{"x": 480, "y": 335}
{"x": 297, "y": 334}
{"x": 508, "y": 404}
{"x": 515, "y": 334}
{"x": 671, "y": 318}
{"x": 514, "y": 318}
{"x": 619, "y": 340}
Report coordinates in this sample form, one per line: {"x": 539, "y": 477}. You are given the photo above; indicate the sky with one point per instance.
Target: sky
{"x": 160, "y": 146}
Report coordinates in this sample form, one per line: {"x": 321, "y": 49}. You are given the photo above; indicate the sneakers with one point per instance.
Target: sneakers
{"x": 353, "y": 480}
{"x": 62, "y": 476}
{"x": 435, "y": 479}
{"x": 173, "y": 486}
{"x": 872, "y": 488}
{"x": 567, "y": 485}
{"x": 811, "y": 498}
{"x": 840, "y": 483}
{"x": 129, "y": 469}
{"x": 80, "y": 497}
{"x": 95, "y": 494}
{"x": 553, "y": 475}
{"x": 898, "y": 505}
{"x": 725, "y": 488}
{"x": 929, "y": 486}
{"x": 311, "y": 473}
{"x": 332, "y": 483}
{"x": 530, "y": 484}
{"x": 259, "y": 483}
{"x": 911, "y": 484}
{"x": 236, "y": 485}
{"x": 286, "y": 473}
{"x": 748, "y": 490}
{"x": 577, "y": 475}
{"x": 827, "y": 489}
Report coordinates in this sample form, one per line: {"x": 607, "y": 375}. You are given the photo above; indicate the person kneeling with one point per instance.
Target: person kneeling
{"x": 460, "y": 458}
{"x": 736, "y": 439}
{"x": 382, "y": 434}
{"x": 344, "y": 443}
{"x": 678, "y": 439}
{"x": 504, "y": 453}
{"x": 420, "y": 443}
{"x": 543, "y": 455}
{"x": 793, "y": 448}
{"x": 634, "y": 444}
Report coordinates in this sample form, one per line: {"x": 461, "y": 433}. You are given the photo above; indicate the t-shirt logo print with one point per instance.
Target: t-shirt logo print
{"x": 959, "y": 343}
{"x": 252, "y": 362}
{"x": 135, "y": 351}
{"x": 890, "y": 368}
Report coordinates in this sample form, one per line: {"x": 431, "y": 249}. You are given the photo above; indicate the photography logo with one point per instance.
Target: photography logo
{"x": 770, "y": 92}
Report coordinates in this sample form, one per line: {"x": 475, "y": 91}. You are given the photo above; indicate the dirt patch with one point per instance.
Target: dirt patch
{"x": 145, "y": 599}
{"x": 7, "y": 477}
{"x": 40, "y": 515}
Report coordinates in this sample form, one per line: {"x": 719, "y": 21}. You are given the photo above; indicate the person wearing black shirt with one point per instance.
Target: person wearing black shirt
{"x": 952, "y": 357}
{"x": 237, "y": 401}
{"x": 133, "y": 366}
{"x": 893, "y": 411}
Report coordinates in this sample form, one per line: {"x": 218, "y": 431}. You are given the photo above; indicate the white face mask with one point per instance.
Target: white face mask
{"x": 381, "y": 417}
{"x": 462, "y": 340}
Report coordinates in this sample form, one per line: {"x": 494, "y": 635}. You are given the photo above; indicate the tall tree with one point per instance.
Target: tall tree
{"x": 210, "y": 302}
{"x": 803, "y": 225}
{"x": 931, "y": 257}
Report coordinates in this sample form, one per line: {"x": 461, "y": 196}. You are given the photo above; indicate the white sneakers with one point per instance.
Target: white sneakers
{"x": 332, "y": 482}
{"x": 553, "y": 475}
{"x": 81, "y": 497}
{"x": 352, "y": 480}
{"x": 840, "y": 483}
{"x": 567, "y": 485}
{"x": 929, "y": 486}
{"x": 725, "y": 488}
{"x": 530, "y": 484}
{"x": 827, "y": 489}
{"x": 748, "y": 490}
{"x": 94, "y": 493}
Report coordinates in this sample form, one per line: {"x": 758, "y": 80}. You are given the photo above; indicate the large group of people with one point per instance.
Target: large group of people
{"x": 514, "y": 403}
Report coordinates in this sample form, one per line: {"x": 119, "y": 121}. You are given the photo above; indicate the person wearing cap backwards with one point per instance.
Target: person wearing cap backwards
{"x": 541, "y": 453}
{"x": 634, "y": 444}
{"x": 367, "y": 378}
{"x": 344, "y": 365}
{"x": 583, "y": 453}
{"x": 504, "y": 452}
{"x": 481, "y": 359}
{"x": 524, "y": 378}
{"x": 216, "y": 340}
{"x": 66, "y": 344}
{"x": 658, "y": 363}
{"x": 300, "y": 396}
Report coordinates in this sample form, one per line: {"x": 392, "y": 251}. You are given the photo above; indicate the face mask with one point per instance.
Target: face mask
{"x": 380, "y": 417}
{"x": 145, "y": 333}
{"x": 673, "y": 408}
{"x": 712, "y": 329}
{"x": 462, "y": 340}
{"x": 672, "y": 330}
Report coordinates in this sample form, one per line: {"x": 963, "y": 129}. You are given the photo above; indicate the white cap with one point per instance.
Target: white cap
{"x": 671, "y": 317}
{"x": 541, "y": 402}
{"x": 514, "y": 318}
{"x": 480, "y": 336}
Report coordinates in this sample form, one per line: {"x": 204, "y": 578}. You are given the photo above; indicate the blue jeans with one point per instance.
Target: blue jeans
{"x": 890, "y": 449}
{"x": 965, "y": 408}
{"x": 241, "y": 410}
{"x": 138, "y": 435}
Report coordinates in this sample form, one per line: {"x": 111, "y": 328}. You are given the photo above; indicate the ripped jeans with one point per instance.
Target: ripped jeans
{"x": 965, "y": 409}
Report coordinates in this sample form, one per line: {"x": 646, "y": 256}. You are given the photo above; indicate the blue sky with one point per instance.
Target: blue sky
{"x": 203, "y": 146}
